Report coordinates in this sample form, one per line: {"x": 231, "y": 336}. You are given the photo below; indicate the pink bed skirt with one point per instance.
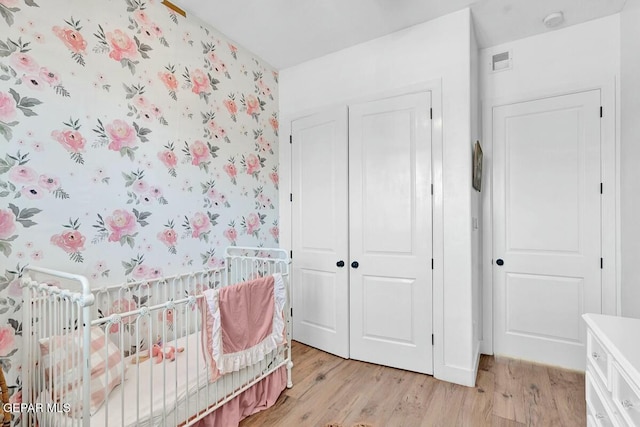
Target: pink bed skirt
{"x": 255, "y": 399}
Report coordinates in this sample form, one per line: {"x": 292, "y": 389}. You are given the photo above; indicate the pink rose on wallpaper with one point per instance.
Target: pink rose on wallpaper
{"x": 141, "y": 102}
{"x": 169, "y": 80}
{"x": 120, "y": 223}
{"x": 140, "y": 272}
{"x": 140, "y": 186}
{"x": 200, "y": 223}
{"x": 71, "y": 38}
{"x": 264, "y": 144}
{"x": 141, "y": 17}
{"x": 274, "y": 124}
{"x": 32, "y": 192}
{"x": 253, "y": 223}
{"x": 22, "y": 174}
{"x": 264, "y": 89}
{"x": 154, "y": 273}
{"x": 231, "y": 234}
{"x": 71, "y": 140}
{"x": 253, "y": 105}
{"x": 168, "y": 237}
{"x": 253, "y": 164}
{"x": 33, "y": 82}
{"x": 122, "y": 46}
{"x": 7, "y": 224}
{"x": 24, "y": 62}
{"x": 49, "y": 76}
{"x": 70, "y": 241}
{"x": 200, "y": 82}
{"x": 215, "y": 262}
{"x": 231, "y": 106}
{"x": 9, "y": 3}
{"x": 231, "y": 170}
{"x": 7, "y": 340}
{"x": 7, "y": 107}
{"x": 48, "y": 182}
{"x": 275, "y": 178}
{"x": 199, "y": 152}
{"x": 122, "y": 134}
{"x": 275, "y": 232}
{"x": 168, "y": 158}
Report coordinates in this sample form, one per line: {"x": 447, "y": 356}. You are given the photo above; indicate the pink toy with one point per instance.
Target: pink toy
{"x": 165, "y": 352}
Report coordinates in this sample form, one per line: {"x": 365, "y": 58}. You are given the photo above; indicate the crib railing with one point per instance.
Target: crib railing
{"x": 134, "y": 316}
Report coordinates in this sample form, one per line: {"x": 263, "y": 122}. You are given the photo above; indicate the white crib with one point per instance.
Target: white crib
{"x": 72, "y": 333}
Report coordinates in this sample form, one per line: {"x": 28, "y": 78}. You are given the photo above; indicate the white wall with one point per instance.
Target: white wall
{"x": 630, "y": 158}
{"x": 434, "y": 54}
{"x": 576, "y": 58}
{"x": 476, "y": 200}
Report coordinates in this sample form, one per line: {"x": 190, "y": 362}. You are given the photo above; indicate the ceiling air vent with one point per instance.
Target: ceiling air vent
{"x": 501, "y": 61}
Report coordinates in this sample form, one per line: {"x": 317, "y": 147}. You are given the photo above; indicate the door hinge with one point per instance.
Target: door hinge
{"x": 432, "y": 263}
{"x": 432, "y": 340}
{"x": 601, "y": 263}
{"x": 432, "y": 189}
{"x": 291, "y": 197}
{"x": 290, "y": 139}
{"x": 291, "y": 311}
{"x": 600, "y": 111}
{"x": 431, "y": 113}
{"x": 601, "y": 189}
{"x": 290, "y": 254}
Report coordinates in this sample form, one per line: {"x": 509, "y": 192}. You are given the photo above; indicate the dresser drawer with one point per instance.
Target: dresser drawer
{"x": 626, "y": 396}
{"x": 599, "y": 358}
{"x": 598, "y": 404}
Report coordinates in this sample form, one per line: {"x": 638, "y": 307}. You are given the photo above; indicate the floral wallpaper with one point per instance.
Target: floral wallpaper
{"x": 135, "y": 143}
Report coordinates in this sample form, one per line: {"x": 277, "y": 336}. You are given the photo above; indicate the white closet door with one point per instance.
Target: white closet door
{"x": 320, "y": 231}
{"x": 390, "y": 232}
{"x": 547, "y": 243}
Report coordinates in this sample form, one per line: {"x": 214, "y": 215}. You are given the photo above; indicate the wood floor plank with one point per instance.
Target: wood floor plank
{"x": 569, "y": 396}
{"x": 508, "y": 400}
{"x": 329, "y": 390}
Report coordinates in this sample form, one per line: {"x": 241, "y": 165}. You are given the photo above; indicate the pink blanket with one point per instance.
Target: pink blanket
{"x": 242, "y": 323}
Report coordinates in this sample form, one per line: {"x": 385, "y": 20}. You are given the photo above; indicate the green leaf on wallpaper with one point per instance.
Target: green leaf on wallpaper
{"x": 16, "y": 96}
{"x": 6, "y": 132}
{"x": 7, "y": 13}
{"x": 5, "y": 77}
{"x": 29, "y": 102}
{"x": 28, "y": 213}
{"x": 14, "y": 209}
{"x": 4, "y": 194}
{"x": 5, "y": 50}
{"x": 5, "y": 248}
{"x": 31, "y": 3}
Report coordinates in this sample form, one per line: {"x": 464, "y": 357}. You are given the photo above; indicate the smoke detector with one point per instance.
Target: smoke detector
{"x": 553, "y": 20}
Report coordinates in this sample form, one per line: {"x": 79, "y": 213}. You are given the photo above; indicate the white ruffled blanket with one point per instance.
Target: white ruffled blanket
{"x": 242, "y": 323}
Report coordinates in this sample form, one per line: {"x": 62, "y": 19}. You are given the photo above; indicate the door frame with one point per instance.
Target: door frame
{"x": 610, "y": 207}
{"x": 285, "y": 162}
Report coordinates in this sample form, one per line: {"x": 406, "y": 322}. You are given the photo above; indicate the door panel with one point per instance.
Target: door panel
{"x": 320, "y": 231}
{"x": 390, "y": 232}
{"x": 547, "y": 226}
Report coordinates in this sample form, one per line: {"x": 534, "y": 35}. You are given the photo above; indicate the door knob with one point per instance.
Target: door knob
{"x": 355, "y": 264}
{"x": 499, "y": 261}
{"x": 340, "y": 263}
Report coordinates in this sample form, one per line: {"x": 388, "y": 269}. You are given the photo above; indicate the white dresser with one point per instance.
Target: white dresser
{"x": 613, "y": 370}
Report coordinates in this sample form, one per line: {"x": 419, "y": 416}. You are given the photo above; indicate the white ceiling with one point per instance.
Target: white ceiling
{"x": 288, "y": 32}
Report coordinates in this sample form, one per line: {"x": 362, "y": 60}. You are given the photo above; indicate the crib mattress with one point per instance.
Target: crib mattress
{"x": 133, "y": 404}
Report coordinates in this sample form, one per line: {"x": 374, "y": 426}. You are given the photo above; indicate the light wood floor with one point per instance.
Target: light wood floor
{"x": 330, "y": 391}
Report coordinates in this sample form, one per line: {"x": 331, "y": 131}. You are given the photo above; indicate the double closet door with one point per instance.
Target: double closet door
{"x": 362, "y": 232}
